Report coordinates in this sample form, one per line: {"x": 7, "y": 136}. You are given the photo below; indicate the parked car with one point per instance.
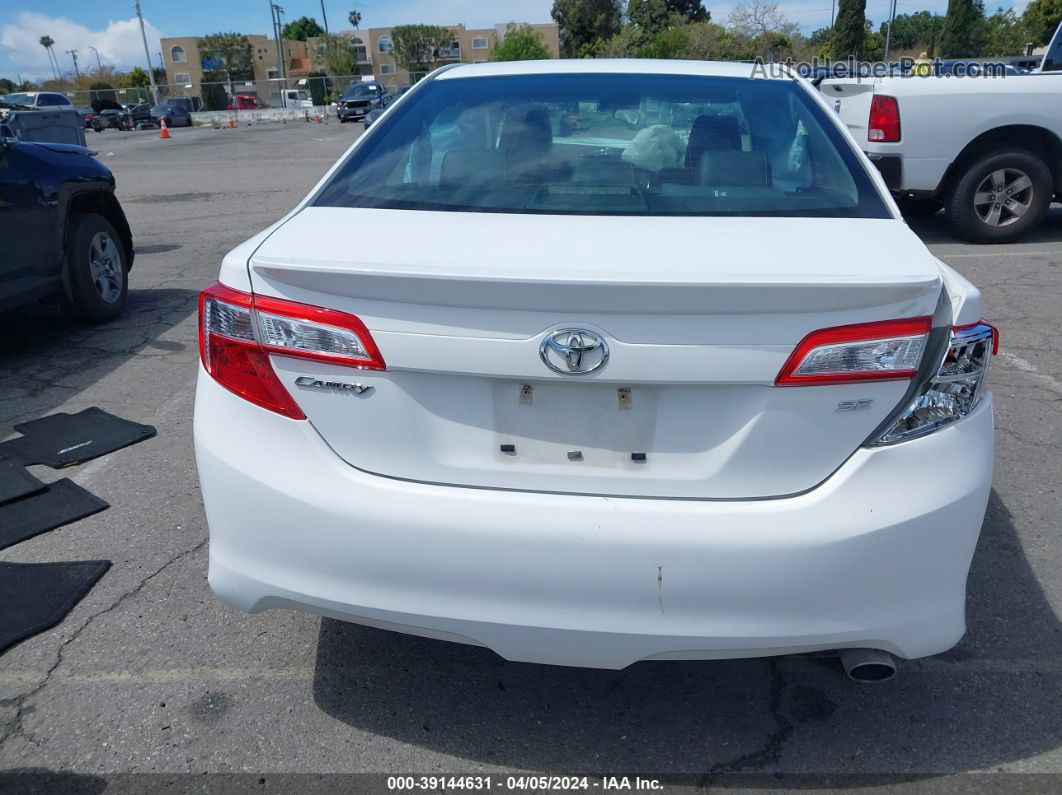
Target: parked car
{"x": 38, "y": 99}
{"x": 295, "y": 98}
{"x": 64, "y": 232}
{"x": 245, "y": 102}
{"x": 141, "y": 116}
{"x": 88, "y": 118}
{"x": 111, "y": 119}
{"x": 360, "y": 99}
{"x": 174, "y": 116}
{"x": 674, "y": 381}
{"x": 985, "y": 149}
{"x": 190, "y": 104}
{"x": 371, "y": 117}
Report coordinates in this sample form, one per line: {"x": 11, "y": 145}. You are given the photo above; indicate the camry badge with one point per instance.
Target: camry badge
{"x": 309, "y": 382}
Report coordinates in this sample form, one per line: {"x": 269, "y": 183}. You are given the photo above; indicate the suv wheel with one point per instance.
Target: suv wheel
{"x": 99, "y": 278}
{"x": 1000, "y": 197}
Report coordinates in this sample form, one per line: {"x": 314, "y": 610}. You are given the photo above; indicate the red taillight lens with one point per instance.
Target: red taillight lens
{"x": 238, "y": 331}
{"x": 884, "y": 126}
{"x": 888, "y": 350}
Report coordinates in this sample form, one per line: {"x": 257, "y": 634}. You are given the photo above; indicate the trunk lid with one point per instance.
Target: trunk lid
{"x": 699, "y": 315}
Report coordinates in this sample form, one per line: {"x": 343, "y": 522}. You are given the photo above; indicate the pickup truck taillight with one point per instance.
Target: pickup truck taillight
{"x": 884, "y": 125}
{"x": 238, "y": 332}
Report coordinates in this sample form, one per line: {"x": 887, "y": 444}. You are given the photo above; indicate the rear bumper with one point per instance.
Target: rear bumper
{"x": 877, "y": 556}
{"x": 891, "y": 168}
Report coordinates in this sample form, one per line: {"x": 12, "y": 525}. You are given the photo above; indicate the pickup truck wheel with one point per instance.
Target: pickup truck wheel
{"x": 99, "y": 279}
{"x": 1000, "y": 197}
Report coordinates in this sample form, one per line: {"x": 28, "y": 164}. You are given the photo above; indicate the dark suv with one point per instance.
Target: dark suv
{"x": 64, "y": 233}
{"x": 362, "y": 98}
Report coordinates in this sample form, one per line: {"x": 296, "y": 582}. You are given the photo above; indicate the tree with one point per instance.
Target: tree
{"x": 919, "y": 31}
{"x": 101, "y": 89}
{"x": 337, "y": 54}
{"x": 689, "y": 10}
{"x": 416, "y": 47}
{"x": 137, "y": 78}
{"x": 521, "y": 43}
{"x": 962, "y": 28}
{"x": 212, "y": 90}
{"x": 47, "y": 42}
{"x": 7, "y": 86}
{"x": 1004, "y": 34}
{"x": 585, "y": 25}
{"x": 849, "y": 30}
{"x": 1041, "y": 20}
{"x": 649, "y": 16}
{"x": 230, "y": 51}
{"x": 318, "y": 87}
{"x": 354, "y": 18}
{"x": 301, "y": 29}
{"x": 760, "y": 19}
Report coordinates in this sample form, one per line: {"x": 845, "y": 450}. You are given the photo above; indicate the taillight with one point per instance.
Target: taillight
{"x": 953, "y": 391}
{"x": 238, "y": 331}
{"x": 884, "y": 126}
{"x": 884, "y": 351}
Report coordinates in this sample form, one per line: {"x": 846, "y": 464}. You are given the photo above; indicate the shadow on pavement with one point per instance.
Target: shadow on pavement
{"x": 47, "y": 358}
{"x": 934, "y": 229}
{"x": 799, "y": 715}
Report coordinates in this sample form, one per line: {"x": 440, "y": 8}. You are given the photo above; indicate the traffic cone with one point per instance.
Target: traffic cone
{"x": 232, "y": 123}
{"x": 163, "y": 131}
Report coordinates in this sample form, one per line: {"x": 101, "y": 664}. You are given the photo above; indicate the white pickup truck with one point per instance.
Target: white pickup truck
{"x": 988, "y": 150}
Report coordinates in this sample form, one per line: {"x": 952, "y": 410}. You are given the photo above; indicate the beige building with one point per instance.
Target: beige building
{"x": 183, "y": 62}
{"x": 468, "y": 46}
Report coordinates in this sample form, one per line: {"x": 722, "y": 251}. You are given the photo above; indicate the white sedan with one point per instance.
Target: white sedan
{"x": 591, "y": 362}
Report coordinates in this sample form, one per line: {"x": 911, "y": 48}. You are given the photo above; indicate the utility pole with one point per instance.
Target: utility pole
{"x": 833, "y": 11}
{"x": 276, "y": 11}
{"x": 73, "y": 54}
{"x": 324, "y": 16}
{"x": 98, "y": 64}
{"x": 888, "y": 36}
{"x": 147, "y": 53}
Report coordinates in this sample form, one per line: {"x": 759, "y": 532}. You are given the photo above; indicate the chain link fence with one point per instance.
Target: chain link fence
{"x": 279, "y": 96}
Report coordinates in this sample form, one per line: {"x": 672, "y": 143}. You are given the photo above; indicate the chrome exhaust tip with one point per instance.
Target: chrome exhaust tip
{"x": 868, "y": 665}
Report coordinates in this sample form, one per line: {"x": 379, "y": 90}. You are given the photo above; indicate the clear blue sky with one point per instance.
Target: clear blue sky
{"x": 110, "y": 25}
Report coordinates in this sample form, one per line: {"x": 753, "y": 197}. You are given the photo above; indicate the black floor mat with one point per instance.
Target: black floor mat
{"x": 60, "y": 440}
{"x": 60, "y": 503}
{"x": 36, "y": 596}
{"x": 15, "y": 481}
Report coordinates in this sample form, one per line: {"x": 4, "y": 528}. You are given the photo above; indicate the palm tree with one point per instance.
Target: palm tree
{"x": 354, "y": 17}
{"x": 46, "y": 43}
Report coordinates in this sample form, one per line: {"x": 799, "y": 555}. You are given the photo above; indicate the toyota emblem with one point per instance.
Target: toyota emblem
{"x": 573, "y": 351}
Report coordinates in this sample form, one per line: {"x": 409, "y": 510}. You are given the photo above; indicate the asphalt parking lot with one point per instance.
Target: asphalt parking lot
{"x": 151, "y": 674}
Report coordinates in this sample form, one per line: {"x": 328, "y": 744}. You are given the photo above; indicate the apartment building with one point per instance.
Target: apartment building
{"x": 473, "y": 45}
{"x": 183, "y": 61}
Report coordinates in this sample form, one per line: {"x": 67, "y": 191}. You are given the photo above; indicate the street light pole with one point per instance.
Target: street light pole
{"x": 147, "y": 53}
{"x": 324, "y": 16}
{"x": 888, "y": 35}
{"x": 98, "y": 64}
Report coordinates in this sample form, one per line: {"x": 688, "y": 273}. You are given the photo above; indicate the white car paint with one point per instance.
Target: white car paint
{"x": 760, "y": 524}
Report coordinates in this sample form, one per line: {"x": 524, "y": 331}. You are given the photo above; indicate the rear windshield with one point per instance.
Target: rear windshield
{"x": 606, "y": 145}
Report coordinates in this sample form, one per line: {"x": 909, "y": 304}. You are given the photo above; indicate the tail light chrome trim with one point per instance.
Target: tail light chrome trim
{"x": 954, "y": 391}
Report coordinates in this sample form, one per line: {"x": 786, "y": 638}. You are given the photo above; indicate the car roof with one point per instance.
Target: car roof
{"x": 610, "y": 66}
